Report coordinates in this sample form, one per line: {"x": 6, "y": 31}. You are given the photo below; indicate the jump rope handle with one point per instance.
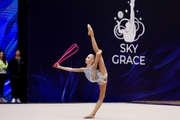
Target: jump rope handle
{"x": 67, "y": 54}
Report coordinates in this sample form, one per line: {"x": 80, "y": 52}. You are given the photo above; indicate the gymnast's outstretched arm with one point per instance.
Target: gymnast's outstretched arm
{"x": 69, "y": 69}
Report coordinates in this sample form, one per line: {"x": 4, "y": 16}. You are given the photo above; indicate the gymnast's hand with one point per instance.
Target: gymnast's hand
{"x": 90, "y": 30}
{"x": 57, "y": 65}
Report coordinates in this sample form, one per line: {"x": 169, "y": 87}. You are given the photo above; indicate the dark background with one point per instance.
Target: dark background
{"x": 23, "y": 19}
{"x": 56, "y": 25}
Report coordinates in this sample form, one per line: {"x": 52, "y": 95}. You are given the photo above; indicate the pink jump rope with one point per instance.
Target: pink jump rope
{"x": 67, "y": 54}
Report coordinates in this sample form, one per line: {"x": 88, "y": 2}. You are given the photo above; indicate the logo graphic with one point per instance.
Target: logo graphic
{"x": 129, "y": 29}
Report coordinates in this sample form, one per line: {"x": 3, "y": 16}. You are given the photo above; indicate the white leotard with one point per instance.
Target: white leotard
{"x": 99, "y": 78}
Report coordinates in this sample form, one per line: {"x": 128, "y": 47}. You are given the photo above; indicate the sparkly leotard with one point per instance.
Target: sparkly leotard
{"x": 99, "y": 78}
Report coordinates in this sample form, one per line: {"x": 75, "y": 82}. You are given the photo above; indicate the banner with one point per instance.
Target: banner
{"x": 140, "y": 42}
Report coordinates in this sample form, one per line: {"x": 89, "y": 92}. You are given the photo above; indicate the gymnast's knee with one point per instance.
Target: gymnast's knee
{"x": 99, "y": 52}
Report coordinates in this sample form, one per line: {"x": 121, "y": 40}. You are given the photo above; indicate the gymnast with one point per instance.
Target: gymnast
{"x": 92, "y": 74}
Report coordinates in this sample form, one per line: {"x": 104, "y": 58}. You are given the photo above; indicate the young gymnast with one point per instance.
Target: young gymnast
{"x": 91, "y": 72}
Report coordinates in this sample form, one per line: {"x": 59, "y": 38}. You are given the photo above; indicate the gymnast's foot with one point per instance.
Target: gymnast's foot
{"x": 90, "y": 30}
{"x": 89, "y": 117}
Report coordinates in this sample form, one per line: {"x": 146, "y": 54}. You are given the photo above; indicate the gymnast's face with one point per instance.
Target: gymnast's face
{"x": 89, "y": 59}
